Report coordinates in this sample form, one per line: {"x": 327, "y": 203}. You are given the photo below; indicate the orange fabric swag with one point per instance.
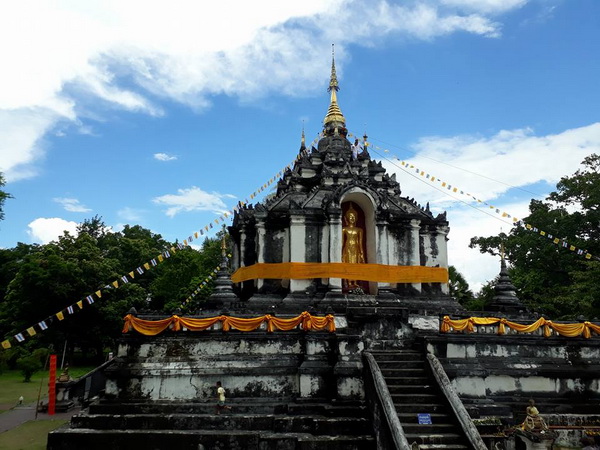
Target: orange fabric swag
{"x": 153, "y": 327}
{"x": 564, "y": 329}
{"x": 364, "y": 272}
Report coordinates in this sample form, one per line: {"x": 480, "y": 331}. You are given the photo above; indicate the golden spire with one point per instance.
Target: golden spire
{"x": 334, "y": 113}
{"x": 303, "y": 142}
{"x": 224, "y": 242}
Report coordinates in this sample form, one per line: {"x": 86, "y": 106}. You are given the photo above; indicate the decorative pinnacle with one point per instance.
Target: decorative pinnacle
{"x": 303, "y": 138}
{"x": 333, "y": 82}
{"x": 334, "y": 113}
{"x": 224, "y": 243}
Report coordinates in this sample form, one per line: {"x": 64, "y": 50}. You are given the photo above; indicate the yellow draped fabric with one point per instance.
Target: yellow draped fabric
{"x": 364, "y": 272}
{"x": 564, "y": 329}
{"x": 305, "y": 320}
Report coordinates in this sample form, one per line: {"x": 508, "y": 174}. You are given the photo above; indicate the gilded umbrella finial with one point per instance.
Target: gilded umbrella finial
{"x": 334, "y": 113}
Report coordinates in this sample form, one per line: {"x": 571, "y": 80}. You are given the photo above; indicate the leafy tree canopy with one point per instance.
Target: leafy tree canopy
{"x": 550, "y": 278}
{"x": 3, "y": 196}
{"x": 36, "y": 281}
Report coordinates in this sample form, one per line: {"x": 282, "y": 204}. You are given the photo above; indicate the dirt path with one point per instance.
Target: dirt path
{"x": 21, "y": 414}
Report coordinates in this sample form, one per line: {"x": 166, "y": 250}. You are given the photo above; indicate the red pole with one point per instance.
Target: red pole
{"x": 52, "y": 385}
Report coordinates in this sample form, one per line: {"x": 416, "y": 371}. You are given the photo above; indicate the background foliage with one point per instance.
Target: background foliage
{"x": 549, "y": 278}
{"x": 36, "y": 281}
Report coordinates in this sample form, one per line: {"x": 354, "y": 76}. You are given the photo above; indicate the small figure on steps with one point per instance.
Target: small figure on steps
{"x": 221, "y": 399}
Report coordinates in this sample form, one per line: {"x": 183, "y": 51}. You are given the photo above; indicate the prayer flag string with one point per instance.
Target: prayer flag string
{"x": 410, "y": 168}
{"x": 125, "y": 279}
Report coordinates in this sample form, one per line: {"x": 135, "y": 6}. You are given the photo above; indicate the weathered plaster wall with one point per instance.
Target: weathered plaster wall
{"x": 257, "y": 364}
{"x": 483, "y": 365}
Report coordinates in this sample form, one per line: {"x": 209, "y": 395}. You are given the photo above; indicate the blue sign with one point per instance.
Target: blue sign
{"x": 424, "y": 419}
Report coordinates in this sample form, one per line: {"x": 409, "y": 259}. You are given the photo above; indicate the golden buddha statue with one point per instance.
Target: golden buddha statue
{"x": 352, "y": 238}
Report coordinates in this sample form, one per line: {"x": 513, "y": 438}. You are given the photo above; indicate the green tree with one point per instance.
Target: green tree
{"x": 459, "y": 288}
{"x": 3, "y": 196}
{"x": 183, "y": 273}
{"x": 548, "y": 277}
{"x": 28, "y": 365}
{"x": 38, "y": 281}
{"x": 59, "y": 274}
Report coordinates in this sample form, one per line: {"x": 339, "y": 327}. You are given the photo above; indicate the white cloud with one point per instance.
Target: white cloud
{"x": 192, "y": 199}
{"x": 44, "y": 230}
{"x": 465, "y": 223}
{"x": 485, "y": 6}
{"x": 72, "y": 204}
{"x": 517, "y": 157}
{"x": 164, "y": 157}
{"x": 185, "y": 51}
{"x": 130, "y": 214}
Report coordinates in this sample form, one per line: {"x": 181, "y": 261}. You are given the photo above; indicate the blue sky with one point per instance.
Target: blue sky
{"x": 164, "y": 115}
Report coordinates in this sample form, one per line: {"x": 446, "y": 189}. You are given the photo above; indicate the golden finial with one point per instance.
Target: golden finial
{"x": 224, "y": 242}
{"x": 333, "y": 82}
{"x": 303, "y": 138}
{"x": 334, "y": 113}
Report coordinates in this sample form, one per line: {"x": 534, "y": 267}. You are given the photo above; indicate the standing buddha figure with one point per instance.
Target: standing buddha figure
{"x": 352, "y": 236}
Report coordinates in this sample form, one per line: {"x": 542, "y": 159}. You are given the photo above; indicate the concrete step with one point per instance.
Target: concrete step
{"x": 410, "y": 399}
{"x": 400, "y": 372}
{"x": 415, "y": 408}
{"x": 66, "y": 439}
{"x": 317, "y": 425}
{"x": 354, "y": 409}
{"x": 413, "y": 417}
{"x": 434, "y": 428}
{"x": 407, "y": 380}
{"x": 409, "y": 388}
{"x": 403, "y": 364}
{"x": 397, "y": 355}
{"x": 443, "y": 447}
{"x": 436, "y": 439}
{"x": 241, "y": 406}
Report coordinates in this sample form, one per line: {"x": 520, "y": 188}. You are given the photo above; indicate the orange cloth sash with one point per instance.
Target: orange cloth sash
{"x": 363, "y": 272}
{"x": 305, "y": 321}
{"x": 564, "y": 329}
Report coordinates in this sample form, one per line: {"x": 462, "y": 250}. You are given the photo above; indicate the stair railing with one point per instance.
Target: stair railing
{"x": 386, "y": 425}
{"x": 85, "y": 388}
{"x": 460, "y": 412}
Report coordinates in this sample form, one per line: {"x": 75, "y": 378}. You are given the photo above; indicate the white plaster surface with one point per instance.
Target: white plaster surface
{"x": 424, "y": 322}
{"x": 351, "y": 388}
{"x": 469, "y": 386}
{"x": 538, "y": 384}
{"x": 340, "y": 322}
{"x": 500, "y": 383}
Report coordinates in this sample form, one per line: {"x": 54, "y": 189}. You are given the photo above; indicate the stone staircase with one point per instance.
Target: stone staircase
{"x": 253, "y": 423}
{"x": 415, "y": 391}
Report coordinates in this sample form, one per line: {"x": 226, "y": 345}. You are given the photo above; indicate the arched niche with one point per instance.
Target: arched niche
{"x": 367, "y": 204}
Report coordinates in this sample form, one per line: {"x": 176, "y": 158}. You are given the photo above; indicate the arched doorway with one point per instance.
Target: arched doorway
{"x": 363, "y": 206}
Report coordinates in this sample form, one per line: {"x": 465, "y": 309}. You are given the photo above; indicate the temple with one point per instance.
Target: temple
{"x": 334, "y": 329}
{"x": 286, "y": 244}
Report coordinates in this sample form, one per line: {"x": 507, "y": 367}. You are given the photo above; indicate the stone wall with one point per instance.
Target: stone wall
{"x": 187, "y": 365}
{"x": 482, "y": 365}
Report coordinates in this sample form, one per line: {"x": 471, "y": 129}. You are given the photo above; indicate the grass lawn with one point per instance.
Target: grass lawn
{"x": 12, "y": 387}
{"x": 32, "y": 435}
